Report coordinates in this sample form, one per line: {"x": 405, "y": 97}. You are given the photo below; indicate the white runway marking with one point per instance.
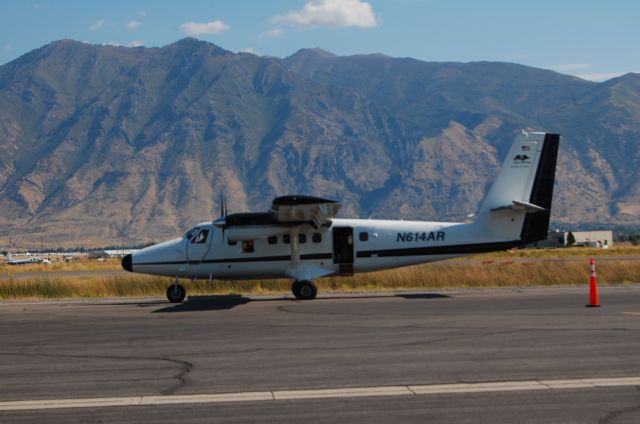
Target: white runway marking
{"x": 353, "y": 392}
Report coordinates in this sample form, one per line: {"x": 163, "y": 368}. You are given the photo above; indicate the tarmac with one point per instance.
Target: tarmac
{"x": 496, "y": 355}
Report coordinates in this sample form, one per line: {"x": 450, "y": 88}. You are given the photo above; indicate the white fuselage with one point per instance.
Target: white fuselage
{"x": 373, "y": 245}
{"x": 32, "y": 260}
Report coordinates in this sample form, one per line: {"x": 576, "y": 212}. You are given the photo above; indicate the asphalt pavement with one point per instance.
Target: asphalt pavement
{"x": 538, "y": 355}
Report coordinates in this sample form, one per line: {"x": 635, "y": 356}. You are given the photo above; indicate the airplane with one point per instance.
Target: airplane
{"x": 26, "y": 261}
{"x": 300, "y": 238}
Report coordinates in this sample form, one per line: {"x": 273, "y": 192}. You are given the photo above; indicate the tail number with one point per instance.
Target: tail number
{"x": 424, "y": 236}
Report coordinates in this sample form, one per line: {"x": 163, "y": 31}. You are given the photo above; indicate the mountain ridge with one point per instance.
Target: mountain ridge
{"x": 108, "y": 144}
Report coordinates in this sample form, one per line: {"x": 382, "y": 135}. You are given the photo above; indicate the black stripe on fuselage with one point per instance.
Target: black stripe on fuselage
{"x": 311, "y": 256}
{"x": 459, "y": 249}
{"x": 441, "y": 250}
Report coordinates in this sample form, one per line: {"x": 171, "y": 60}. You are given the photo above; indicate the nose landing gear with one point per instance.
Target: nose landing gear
{"x": 304, "y": 290}
{"x": 176, "y": 292}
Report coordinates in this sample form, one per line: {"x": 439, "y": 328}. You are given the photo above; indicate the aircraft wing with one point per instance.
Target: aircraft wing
{"x": 287, "y": 215}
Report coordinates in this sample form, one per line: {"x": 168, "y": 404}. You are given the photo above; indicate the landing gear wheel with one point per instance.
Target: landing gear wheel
{"x": 304, "y": 290}
{"x": 176, "y": 293}
{"x": 294, "y": 289}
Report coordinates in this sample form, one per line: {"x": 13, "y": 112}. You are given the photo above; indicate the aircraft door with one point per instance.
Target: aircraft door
{"x": 199, "y": 244}
{"x": 343, "y": 249}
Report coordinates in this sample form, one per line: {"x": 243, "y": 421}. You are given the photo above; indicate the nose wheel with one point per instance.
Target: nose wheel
{"x": 304, "y": 290}
{"x": 176, "y": 293}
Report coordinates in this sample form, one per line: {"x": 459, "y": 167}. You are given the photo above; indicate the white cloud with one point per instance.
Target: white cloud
{"x": 566, "y": 67}
{"x": 600, "y": 76}
{"x": 575, "y": 68}
{"x": 133, "y": 24}
{"x": 273, "y": 33}
{"x": 136, "y": 43}
{"x": 251, "y": 50}
{"x": 198, "y": 28}
{"x": 331, "y": 13}
{"x": 97, "y": 25}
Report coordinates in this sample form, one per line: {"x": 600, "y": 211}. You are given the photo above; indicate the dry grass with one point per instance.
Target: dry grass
{"x": 447, "y": 275}
{"x": 618, "y": 250}
{"x": 82, "y": 264}
{"x": 443, "y": 275}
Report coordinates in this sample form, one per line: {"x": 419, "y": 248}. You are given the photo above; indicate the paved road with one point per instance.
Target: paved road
{"x": 227, "y": 344}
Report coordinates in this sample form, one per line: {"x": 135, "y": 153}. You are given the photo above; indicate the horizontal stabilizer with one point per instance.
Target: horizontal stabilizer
{"x": 519, "y": 205}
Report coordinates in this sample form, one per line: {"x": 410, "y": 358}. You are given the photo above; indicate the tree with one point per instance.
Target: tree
{"x": 571, "y": 239}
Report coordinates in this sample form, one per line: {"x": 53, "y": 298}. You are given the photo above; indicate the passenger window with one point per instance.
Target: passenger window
{"x": 364, "y": 236}
{"x": 302, "y": 238}
{"x": 272, "y": 240}
{"x": 247, "y": 246}
{"x": 316, "y": 238}
{"x": 201, "y": 237}
{"x": 286, "y": 239}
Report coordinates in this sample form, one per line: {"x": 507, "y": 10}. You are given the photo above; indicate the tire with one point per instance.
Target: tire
{"x": 304, "y": 290}
{"x": 295, "y": 289}
{"x": 176, "y": 293}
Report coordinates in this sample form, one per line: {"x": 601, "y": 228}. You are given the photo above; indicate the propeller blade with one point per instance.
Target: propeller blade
{"x": 221, "y": 222}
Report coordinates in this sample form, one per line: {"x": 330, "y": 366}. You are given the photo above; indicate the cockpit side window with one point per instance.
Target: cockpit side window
{"x": 201, "y": 237}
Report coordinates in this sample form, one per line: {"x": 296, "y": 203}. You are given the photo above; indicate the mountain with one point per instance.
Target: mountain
{"x": 599, "y": 122}
{"x": 108, "y": 145}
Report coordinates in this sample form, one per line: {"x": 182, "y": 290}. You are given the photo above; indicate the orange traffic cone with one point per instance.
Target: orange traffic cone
{"x": 594, "y": 301}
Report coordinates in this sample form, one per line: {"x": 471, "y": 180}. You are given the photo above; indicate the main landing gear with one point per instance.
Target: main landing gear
{"x": 304, "y": 290}
{"x": 176, "y": 292}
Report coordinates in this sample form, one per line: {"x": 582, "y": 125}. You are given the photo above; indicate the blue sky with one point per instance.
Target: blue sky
{"x": 595, "y": 40}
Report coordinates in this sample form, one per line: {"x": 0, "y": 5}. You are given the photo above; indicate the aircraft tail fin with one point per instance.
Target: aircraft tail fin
{"x": 518, "y": 205}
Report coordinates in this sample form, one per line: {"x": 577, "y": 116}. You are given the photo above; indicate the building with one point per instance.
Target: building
{"x": 115, "y": 253}
{"x": 602, "y": 239}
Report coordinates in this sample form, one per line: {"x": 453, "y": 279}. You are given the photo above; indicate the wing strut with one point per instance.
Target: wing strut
{"x": 295, "y": 247}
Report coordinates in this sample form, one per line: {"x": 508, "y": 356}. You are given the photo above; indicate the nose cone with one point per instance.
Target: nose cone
{"x": 127, "y": 263}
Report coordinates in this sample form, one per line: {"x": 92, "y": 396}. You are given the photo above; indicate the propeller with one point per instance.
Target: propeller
{"x": 221, "y": 222}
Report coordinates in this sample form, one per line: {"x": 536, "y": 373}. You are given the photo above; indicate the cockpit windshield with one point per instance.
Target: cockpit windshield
{"x": 191, "y": 233}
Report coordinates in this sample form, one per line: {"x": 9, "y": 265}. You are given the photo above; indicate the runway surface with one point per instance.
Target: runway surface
{"x": 527, "y": 356}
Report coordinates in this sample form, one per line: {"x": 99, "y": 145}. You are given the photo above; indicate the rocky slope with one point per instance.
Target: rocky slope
{"x": 102, "y": 145}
